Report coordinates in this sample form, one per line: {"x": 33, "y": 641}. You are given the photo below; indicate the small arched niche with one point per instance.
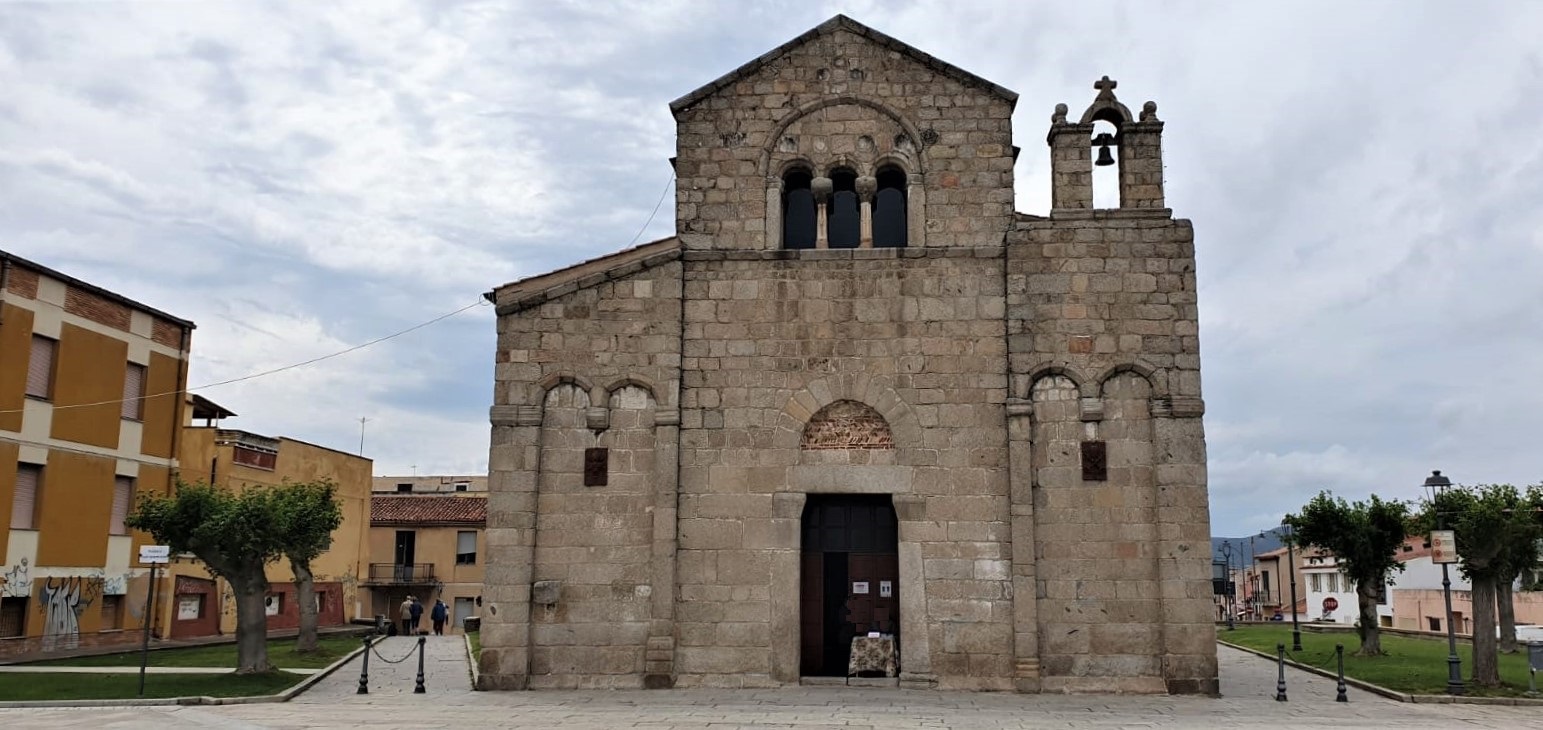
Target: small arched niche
{"x": 844, "y": 221}
{"x": 799, "y": 222}
{"x": 847, "y": 425}
{"x": 889, "y": 208}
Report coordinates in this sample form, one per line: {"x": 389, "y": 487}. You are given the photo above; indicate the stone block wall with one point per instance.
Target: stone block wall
{"x": 769, "y": 341}
{"x": 1103, "y": 341}
{"x": 844, "y": 97}
{"x": 577, "y": 367}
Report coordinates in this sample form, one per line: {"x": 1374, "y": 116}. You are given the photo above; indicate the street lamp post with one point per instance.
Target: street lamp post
{"x": 1438, "y": 484}
{"x": 1228, "y": 586}
{"x": 1291, "y": 560}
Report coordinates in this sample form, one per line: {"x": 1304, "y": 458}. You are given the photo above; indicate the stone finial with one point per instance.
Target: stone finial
{"x": 1149, "y": 112}
{"x": 1105, "y": 88}
{"x": 1059, "y": 117}
{"x": 821, "y": 187}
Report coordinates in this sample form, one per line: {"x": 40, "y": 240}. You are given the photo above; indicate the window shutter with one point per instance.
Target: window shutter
{"x": 123, "y": 494}
{"x": 24, "y": 503}
{"x": 134, "y": 391}
{"x": 465, "y": 542}
{"x": 40, "y": 367}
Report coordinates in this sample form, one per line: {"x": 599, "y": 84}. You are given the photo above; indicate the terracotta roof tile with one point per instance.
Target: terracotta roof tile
{"x": 429, "y": 510}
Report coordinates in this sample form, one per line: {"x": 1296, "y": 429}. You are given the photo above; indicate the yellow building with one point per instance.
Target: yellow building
{"x": 90, "y": 416}
{"x": 236, "y": 459}
{"x": 430, "y": 547}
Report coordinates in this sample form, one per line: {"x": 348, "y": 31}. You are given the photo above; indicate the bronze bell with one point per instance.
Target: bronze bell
{"x": 1103, "y": 141}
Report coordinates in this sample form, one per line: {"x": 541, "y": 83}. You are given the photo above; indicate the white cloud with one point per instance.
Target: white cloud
{"x": 300, "y": 177}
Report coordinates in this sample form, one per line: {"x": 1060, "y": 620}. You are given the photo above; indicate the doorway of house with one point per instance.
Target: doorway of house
{"x": 850, "y": 578}
{"x": 406, "y": 552}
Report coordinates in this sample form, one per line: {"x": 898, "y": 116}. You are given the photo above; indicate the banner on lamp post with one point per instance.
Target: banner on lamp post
{"x": 1443, "y": 546}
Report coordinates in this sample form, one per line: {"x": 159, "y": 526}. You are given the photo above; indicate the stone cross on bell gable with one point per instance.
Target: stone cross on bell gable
{"x": 1105, "y": 87}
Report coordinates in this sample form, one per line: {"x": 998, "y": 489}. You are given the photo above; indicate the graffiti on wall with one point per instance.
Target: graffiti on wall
{"x": 62, "y": 601}
{"x": 17, "y": 582}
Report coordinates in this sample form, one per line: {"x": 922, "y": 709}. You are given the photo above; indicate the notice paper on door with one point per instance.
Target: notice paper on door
{"x": 886, "y": 589}
{"x": 859, "y": 587}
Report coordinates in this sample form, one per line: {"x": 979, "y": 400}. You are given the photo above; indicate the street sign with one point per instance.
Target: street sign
{"x": 154, "y": 554}
{"x": 1443, "y": 547}
{"x": 1330, "y": 603}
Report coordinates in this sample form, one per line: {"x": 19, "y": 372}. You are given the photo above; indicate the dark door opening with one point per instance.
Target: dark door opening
{"x": 850, "y": 578}
{"x": 406, "y": 550}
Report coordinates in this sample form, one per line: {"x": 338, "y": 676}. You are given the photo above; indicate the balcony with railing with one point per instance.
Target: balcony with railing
{"x": 401, "y": 573}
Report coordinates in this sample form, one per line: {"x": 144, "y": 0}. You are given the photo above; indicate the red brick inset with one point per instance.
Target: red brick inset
{"x": 848, "y": 424}
{"x": 166, "y": 333}
{"x": 96, "y": 308}
{"x": 22, "y": 282}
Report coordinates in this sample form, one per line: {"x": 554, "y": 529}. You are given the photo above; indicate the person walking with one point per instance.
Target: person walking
{"x": 406, "y": 614}
{"x": 438, "y": 615}
{"x": 415, "y": 612}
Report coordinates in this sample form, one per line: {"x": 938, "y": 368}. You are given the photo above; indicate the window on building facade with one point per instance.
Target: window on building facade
{"x": 24, "y": 500}
{"x": 843, "y": 222}
{"x": 1315, "y": 582}
{"x": 40, "y": 367}
{"x": 404, "y": 487}
{"x": 123, "y": 497}
{"x": 1333, "y": 582}
{"x": 255, "y": 458}
{"x": 798, "y": 215}
{"x": 889, "y": 213}
{"x": 466, "y": 547}
{"x": 1433, "y": 623}
{"x": 13, "y": 617}
{"x": 112, "y": 613}
{"x": 134, "y": 392}
{"x": 462, "y": 486}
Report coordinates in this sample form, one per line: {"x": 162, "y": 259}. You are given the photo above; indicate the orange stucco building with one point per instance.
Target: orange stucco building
{"x": 90, "y": 416}
{"x": 429, "y": 546}
{"x": 235, "y": 459}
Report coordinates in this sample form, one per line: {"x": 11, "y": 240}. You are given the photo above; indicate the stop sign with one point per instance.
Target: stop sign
{"x": 1330, "y": 603}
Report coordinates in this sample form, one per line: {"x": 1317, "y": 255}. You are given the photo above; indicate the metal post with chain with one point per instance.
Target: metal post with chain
{"x": 1339, "y": 652}
{"x": 364, "y": 670}
{"x": 1280, "y": 677}
{"x": 418, "y": 688}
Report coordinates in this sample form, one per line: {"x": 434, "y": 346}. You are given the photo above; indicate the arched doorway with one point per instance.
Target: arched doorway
{"x": 850, "y": 576}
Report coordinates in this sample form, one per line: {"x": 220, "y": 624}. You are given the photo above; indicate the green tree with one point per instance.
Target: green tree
{"x": 1497, "y": 528}
{"x": 1364, "y": 538}
{"x": 305, "y": 514}
{"x": 235, "y": 536}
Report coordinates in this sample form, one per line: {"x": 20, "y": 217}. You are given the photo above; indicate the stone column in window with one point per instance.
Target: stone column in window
{"x": 866, "y": 186}
{"x": 822, "y": 188}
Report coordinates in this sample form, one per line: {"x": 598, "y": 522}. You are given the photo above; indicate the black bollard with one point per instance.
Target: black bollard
{"x": 1339, "y": 651}
{"x": 364, "y": 670}
{"x": 418, "y": 688}
{"x": 1280, "y": 680}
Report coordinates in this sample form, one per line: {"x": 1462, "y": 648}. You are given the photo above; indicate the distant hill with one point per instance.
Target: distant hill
{"x": 1263, "y": 542}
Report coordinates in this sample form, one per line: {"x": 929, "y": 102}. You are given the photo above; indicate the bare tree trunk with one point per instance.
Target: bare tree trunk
{"x": 1367, "y": 627}
{"x": 1503, "y": 601}
{"x": 251, "y": 624}
{"x": 1486, "y": 663}
{"x": 305, "y": 592}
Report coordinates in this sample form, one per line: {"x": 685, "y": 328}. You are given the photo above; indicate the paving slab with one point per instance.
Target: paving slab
{"x": 1248, "y": 687}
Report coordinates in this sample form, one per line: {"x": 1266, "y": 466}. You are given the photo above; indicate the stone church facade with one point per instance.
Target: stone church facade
{"x": 858, "y": 393}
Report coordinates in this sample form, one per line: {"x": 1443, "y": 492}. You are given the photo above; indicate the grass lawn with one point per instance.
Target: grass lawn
{"x": 126, "y": 686}
{"x": 1413, "y": 665}
{"x": 281, "y": 652}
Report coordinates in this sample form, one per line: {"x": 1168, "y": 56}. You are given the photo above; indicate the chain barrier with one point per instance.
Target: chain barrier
{"x": 376, "y": 651}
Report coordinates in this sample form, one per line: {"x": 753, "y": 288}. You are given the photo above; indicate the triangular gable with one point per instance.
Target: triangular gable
{"x": 842, "y": 22}
{"x": 521, "y": 292}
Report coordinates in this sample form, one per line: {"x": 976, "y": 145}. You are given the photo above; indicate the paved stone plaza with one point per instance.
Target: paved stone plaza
{"x": 1248, "y": 685}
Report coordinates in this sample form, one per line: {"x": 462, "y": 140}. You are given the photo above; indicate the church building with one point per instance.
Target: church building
{"x": 859, "y": 416}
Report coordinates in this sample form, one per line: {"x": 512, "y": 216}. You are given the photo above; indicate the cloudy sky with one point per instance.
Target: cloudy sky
{"x": 1366, "y": 182}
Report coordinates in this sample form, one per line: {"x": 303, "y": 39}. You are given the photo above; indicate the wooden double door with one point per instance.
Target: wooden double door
{"x": 850, "y": 578}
